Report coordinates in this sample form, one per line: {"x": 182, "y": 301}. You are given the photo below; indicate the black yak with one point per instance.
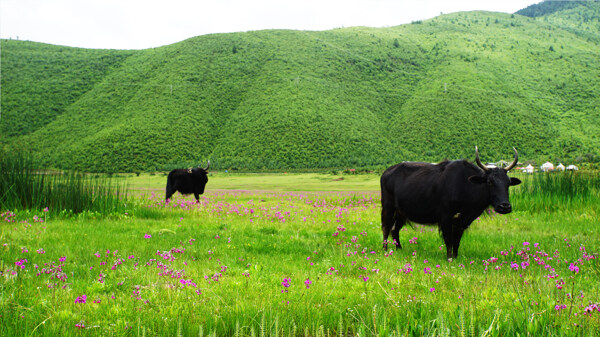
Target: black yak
{"x": 450, "y": 194}
{"x": 187, "y": 181}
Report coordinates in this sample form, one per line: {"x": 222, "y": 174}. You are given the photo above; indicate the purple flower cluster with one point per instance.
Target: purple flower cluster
{"x": 573, "y": 267}
{"x": 21, "y": 263}
{"x": 307, "y": 283}
{"x": 286, "y": 284}
{"x": 81, "y": 299}
{"x": 591, "y": 308}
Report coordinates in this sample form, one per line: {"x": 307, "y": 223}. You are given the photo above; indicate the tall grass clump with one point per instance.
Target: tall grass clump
{"x": 558, "y": 191}
{"x": 26, "y": 186}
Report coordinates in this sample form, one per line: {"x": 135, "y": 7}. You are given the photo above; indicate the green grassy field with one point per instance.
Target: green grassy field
{"x": 268, "y": 182}
{"x": 257, "y": 257}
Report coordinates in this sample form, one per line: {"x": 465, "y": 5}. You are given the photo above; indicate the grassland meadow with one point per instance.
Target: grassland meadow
{"x": 272, "y": 262}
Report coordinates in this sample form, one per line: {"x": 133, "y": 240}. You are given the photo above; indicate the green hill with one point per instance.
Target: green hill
{"x": 280, "y": 99}
{"x": 548, "y": 7}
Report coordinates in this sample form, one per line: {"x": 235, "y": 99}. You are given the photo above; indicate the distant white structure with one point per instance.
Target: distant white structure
{"x": 560, "y": 167}
{"x": 547, "y": 166}
{"x": 527, "y": 169}
{"x": 572, "y": 168}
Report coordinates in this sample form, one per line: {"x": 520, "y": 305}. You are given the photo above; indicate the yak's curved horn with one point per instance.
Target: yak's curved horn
{"x": 207, "y": 165}
{"x": 509, "y": 167}
{"x": 478, "y": 161}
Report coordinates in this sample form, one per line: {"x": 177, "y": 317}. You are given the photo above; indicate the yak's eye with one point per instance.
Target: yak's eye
{"x": 490, "y": 183}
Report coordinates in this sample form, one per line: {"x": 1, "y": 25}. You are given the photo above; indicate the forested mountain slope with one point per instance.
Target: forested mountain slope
{"x": 280, "y": 99}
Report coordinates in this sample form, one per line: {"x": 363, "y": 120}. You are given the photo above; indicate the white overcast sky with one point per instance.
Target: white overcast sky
{"x": 139, "y": 24}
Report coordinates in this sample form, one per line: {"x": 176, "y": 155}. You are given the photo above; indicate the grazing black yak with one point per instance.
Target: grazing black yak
{"x": 187, "y": 181}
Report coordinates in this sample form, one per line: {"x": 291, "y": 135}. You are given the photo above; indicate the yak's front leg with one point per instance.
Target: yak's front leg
{"x": 461, "y": 222}
{"x": 448, "y": 235}
{"x": 457, "y": 232}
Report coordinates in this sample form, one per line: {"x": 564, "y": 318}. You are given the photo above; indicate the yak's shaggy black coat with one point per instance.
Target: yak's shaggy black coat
{"x": 450, "y": 194}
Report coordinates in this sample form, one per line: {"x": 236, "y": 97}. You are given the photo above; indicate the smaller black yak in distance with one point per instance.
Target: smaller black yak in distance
{"x": 450, "y": 194}
{"x": 187, "y": 181}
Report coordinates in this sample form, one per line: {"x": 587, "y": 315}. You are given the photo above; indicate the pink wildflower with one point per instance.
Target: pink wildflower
{"x": 574, "y": 268}
{"x": 286, "y": 284}
{"x": 307, "y": 283}
{"x": 81, "y": 299}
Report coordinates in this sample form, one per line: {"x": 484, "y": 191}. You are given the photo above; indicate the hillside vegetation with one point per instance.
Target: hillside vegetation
{"x": 281, "y": 99}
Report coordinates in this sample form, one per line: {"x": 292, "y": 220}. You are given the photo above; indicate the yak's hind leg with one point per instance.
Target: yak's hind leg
{"x": 399, "y": 222}
{"x": 197, "y": 197}
{"x": 389, "y": 224}
{"x": 169, "y": 195}
{"x": 170, "y": 190}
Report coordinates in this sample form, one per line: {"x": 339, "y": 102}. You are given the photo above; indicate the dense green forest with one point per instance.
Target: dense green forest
{"x": 549, "y": 7}
{"x": 281, "y": 99}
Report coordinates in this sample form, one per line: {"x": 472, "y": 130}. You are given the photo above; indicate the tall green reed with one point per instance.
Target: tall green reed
{"x": 26, "y": 186}
{"x": 557, "y": 191}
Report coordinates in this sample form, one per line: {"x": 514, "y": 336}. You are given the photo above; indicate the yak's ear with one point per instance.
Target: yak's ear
{"x": 515, "y": 181}
{"x": 477, "y": 179}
